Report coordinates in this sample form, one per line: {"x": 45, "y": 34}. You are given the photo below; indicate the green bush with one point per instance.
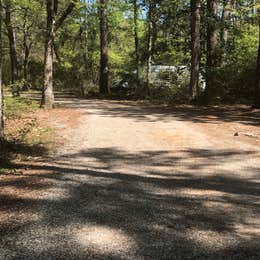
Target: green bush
{"x": 18, "y": 86}
{"x": 235, "y": 80}
{"x": 171, "y": 86}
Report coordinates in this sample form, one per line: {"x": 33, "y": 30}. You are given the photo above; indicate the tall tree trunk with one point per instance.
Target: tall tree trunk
{"x": 212, "y": 9}
{"x": 1, "y": 85}
{"x": 103, "y": 77}
{"x": 257, "y": 82}
{"x": 195, "y": 49}
{"x": 53, "y": 25}
{"x": 12, "y": 41}
{"x": 27, "y": 49}
{"x": 224, "y": 31}
{"x": 150, "y": 43}
{"x": 47, "y": 93}
{"x": 27, "y": 44}
{"x": 137, "y": 58}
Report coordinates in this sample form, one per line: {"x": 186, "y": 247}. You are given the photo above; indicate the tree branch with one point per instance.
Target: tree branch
{"x": 64, "y": 15}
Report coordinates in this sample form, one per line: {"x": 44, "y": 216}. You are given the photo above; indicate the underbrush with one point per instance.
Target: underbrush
{"x": 15, "y": 106}
{"x": 25, "y": 135}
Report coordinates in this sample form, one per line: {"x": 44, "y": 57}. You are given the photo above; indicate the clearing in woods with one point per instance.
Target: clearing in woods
{"x": 133, "y": 181}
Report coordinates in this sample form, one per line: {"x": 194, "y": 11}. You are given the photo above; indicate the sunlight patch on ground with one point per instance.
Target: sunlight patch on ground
{"x": 11, "y": 216}
{"x": 249, "y": 229}
{"x": 105, "y": 240}
{"x": 52, "y": 194}
{"x": 201, "y": 192}
{"x": 209, "y": 239}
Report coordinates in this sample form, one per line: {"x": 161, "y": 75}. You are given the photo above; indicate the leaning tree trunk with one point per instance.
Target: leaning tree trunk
{"x": 1, "y": 85}
{"x": 47, "y": 93}
{"x": 12, "y": 42}
{"x": 195, "y": 49}
{"x": 211, "y": 64}
{"x": 104, "y": 71}
{"x": 257, "y": 83}
{"x": 224, "y": 31}
{"x": 53, "y": 25}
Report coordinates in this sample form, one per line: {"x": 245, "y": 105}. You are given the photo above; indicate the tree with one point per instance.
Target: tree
{"x": 27, "y": 25}
{"x": 12, "y": 40}
{"x": 150, "y": 39}
{"x": 104, "y": 70}
{"x": 224, "y": 30}
{"x": 195, "y": 49}
{"x": 137, "y": 58}
{"x": 257, "y": 82}
{"x": 1, "y": 85}
{"x": 53, "y": 24}
{"x": 212, "y": 25}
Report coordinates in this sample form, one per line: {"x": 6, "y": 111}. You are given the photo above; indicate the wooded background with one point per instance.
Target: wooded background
{"x": 83, "y": 46}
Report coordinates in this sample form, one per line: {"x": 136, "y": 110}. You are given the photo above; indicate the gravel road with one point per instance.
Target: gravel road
{"x": 138, "y": 182}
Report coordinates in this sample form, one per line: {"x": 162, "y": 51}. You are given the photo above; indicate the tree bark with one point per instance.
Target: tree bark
{"x": 27, "y": 50}
{"x": 53, "y": 25}
{"x": 47, "y": 93}
{"x": 104, "y": 71}
{"x": 12, "y": 42}
{"x": 195, "y": 49}
{"x": 1, "y": 85}
{"x": 150, "y": 43}
{"x": 224, "y": 31}
{"x": 257, "y": 82}
{"x": 212, "y": 9}
{"x": 137, "y": 58}
{"x": 27, "y": 45}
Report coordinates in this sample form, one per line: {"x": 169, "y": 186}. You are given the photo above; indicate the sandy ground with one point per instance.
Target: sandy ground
{"x": 138, "y": 182}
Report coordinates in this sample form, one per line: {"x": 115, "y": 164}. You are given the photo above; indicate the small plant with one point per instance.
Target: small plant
{"x": 18, "y": 86}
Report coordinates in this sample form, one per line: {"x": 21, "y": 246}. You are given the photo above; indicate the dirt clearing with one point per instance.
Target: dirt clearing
{"x": 130, "y": 181}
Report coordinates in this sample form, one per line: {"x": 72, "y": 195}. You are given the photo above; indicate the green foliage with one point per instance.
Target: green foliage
{"x": 18, "y": 86}
{"x": 171, "y": 86}
{"x": 236, "y": 78}
{"x": 15, "y": 106}
{"x": 76, "y": 55}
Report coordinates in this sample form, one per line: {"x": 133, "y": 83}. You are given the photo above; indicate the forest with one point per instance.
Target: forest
{"x": 129, "y": 129}
{"x": 84, "y": 46}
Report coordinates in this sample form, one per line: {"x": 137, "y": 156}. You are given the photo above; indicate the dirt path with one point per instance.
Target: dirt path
{"x": 138, "y": 182}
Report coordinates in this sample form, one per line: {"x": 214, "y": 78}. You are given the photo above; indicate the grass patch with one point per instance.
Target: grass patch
{"x": 26, "y": 136}
{"x": 15, "y": 106}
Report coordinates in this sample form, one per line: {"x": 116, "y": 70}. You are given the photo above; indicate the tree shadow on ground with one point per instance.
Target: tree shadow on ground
{"x": 142, "y": 211}
{"x": 9, "y": 150}
{"x": 163, "y": 113}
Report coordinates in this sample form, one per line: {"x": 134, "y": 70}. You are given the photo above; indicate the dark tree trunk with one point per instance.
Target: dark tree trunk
{"x": 104, "y": 71}
{"x": 27, "y": 45}
{"x": 1, "y": 85}
{"x": 27, "y": 49}
{"x": 137, "y": 58}
{"x": 224, "y": 31}
{"x": 257, "y": 83}
{"x": 195, "y": 49}
{"x": 47, "y": 93}
{"x": 212, "y": 9}
{"x": 12, "y": 42}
